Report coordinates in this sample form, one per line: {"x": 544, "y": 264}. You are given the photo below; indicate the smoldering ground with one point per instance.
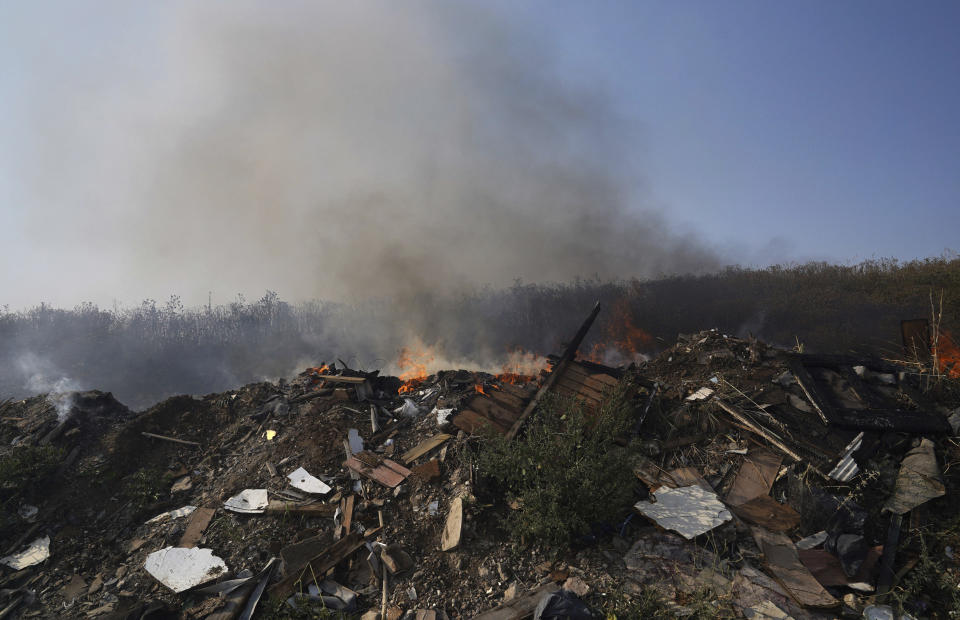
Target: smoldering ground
{"x": 409, "y": 154}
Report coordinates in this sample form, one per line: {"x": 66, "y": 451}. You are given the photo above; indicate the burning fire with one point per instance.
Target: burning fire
{"x": 412, "y": 363}
{"x": 479, "y": 388}
{"x": 948, "y": 355}
{"x": 318, "y": 372}
{"x": 521, "y": 367}
{"x": 622, "y": 340}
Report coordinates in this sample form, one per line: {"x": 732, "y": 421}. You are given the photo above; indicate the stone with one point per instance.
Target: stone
{"x": 577, "y": 586}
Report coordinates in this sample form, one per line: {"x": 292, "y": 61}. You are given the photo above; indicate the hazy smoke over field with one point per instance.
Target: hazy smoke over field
{"x": 336, "y": 150}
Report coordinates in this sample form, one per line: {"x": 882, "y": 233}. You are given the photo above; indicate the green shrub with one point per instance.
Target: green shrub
{"x": 27, "y": 466}
{"x": 564, "y": 474}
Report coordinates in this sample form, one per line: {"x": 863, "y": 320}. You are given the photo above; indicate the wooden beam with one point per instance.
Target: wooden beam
{"x": 568, "y": 354}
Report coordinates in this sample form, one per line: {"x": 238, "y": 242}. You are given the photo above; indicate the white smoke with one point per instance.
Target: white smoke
{"x": 42, "y": 376}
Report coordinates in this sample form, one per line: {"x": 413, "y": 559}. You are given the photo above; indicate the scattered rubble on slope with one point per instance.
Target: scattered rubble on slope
{"x": 801, "y": 486}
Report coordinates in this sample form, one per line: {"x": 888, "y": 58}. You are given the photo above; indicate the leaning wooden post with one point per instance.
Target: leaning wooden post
{"x": 568, "y": 354}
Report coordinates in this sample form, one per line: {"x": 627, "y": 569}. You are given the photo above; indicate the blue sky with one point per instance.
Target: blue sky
{"x": 762, "y": 131}
{"x": 831, "y": 126}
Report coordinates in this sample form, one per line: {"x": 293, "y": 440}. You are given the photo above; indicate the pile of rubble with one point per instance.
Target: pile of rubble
{"x": 770, "y": 485}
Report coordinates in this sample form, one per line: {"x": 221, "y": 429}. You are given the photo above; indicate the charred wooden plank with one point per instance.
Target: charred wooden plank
{"x": 561, "y": 364}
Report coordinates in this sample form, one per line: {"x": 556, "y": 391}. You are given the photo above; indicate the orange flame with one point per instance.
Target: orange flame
{"x": 412, "y": 362}
{"x": 521, "y": 367}
{"x": 515, "y": 379}
{"x": 622, "y": 340}
{"x": 479, "y": 388}
{"x": 948, "y": 355}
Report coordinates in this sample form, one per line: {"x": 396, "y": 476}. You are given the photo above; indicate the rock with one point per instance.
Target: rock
{"x": 95, "y": 585}
{"x": 451, "y": 531}
{"x": 396, "y": 559}
{"x": 577, "y": 586}
{"x": 183, "y": 484}
{"x": 511, "y": 592}
{"x": 371, "y": 615}
{"x": 394, "y": 613}
{"x": 74, "y": 588}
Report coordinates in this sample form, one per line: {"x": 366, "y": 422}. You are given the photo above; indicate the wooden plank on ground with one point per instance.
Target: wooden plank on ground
{"x": 755, "y": 477}
{"x": 491, "y": 410}
{"x": 566, "y": 392}
{"x": 423, "y": 447}
{"x": 313, "y": 509}
{"x": 317, "y": 567}
{"x": 586, "y": 381}
{"x": 386, "y": 472}
{"x": 580, "y": 388}
{"x": 768, "y": 513}
{"x": 196, "y": 526}
{"x": 603, "y": 379}
{"x": 523, "y": 393}
{"x": 472, "y": 422}
{"x": 783, "y": 562}
{"x": 505, "y": 399}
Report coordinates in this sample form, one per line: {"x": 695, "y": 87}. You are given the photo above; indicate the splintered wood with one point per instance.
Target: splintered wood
{"x": 783, "y": 562}
{"x": 386, "y": 472}
{"x": 451, "y": 532}
{"x": 424, "y": 446}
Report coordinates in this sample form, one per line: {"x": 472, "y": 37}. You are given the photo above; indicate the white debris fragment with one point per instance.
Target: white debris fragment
{"x": 180, "y": 568}
{"x": 38, "y": 551}
{"x": 689, "y": 511}
{"x": 409, "y": 409}
{"x": 173, "y": 514}
{"x": 766, "y": 610}
{"x": 302, "y": 480}
{"x": 248, "y": 501}
{"x": 812, "y": 541}
{"x": 701, "y": 394}
{"x": 443, "y": 416}
{"x": 847, "y": 468}
{"x": 356, "y": 441}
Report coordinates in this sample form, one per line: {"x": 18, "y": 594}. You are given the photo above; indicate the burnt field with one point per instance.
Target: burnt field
{"x": 154, "y": 350}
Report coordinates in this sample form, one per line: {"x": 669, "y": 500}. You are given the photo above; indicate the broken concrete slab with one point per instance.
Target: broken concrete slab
{"x": 690, "y": 511}
{"x": 301, "y": 479}
{"x": 181, "y": 569}
{"x": 38, "y": 551}
{"x": 248, "y": 501}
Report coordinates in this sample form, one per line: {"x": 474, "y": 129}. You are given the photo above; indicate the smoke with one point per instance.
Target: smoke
{"x": 338, "y": 151}
{"x": 42, "y": 376}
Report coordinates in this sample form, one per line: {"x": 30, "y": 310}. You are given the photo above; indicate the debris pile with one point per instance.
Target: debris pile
{"x": 769, "y": 484}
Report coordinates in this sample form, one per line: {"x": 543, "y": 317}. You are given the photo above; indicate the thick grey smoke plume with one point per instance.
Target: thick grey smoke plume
{"x": 339, "y": 151}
